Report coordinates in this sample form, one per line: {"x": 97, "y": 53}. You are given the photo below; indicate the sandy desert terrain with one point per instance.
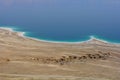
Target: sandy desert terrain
{"x": 23, "y": 58}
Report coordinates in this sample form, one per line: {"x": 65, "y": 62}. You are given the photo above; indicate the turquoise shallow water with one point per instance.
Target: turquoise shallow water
{"x": 29, "y": 35}
{"x": 63, "y": 20}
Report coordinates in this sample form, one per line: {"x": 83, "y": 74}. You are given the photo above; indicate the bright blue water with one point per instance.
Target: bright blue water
{"x": 63, "y": 20}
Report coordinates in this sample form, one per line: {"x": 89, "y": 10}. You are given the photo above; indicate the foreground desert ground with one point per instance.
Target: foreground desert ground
{"x": 24, "y": 58}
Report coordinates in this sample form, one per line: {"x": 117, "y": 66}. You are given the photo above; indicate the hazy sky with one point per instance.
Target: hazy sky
{"x": 71, "y": 17}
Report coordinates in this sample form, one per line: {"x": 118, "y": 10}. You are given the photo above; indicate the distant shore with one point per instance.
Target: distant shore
{"x": 22, "y": 34}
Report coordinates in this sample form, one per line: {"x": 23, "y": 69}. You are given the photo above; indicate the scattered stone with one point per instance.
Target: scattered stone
{"x": 71, "y": 58}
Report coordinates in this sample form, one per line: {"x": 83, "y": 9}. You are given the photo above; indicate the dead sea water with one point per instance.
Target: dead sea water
{"x": 63, "y": 20}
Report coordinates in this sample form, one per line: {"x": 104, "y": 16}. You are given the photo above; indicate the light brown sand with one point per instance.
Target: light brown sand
{"x": 22, "y": 58}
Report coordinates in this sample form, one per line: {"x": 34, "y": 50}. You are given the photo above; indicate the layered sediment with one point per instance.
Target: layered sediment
{"x": 24, "y": 58}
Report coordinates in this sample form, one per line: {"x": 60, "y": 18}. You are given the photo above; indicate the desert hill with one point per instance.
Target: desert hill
{"x": 23, "y": 58}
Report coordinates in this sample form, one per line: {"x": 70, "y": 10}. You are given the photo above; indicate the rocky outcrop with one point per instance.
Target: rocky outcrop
{"x": 72, "y": 58}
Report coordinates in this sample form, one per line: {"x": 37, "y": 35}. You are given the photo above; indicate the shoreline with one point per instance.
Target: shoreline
{"x": 46, "y": 58}
{"x": 22, "y": 34}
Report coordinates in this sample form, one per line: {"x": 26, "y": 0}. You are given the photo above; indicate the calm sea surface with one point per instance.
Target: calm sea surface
{"x": 63, "y": 20}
